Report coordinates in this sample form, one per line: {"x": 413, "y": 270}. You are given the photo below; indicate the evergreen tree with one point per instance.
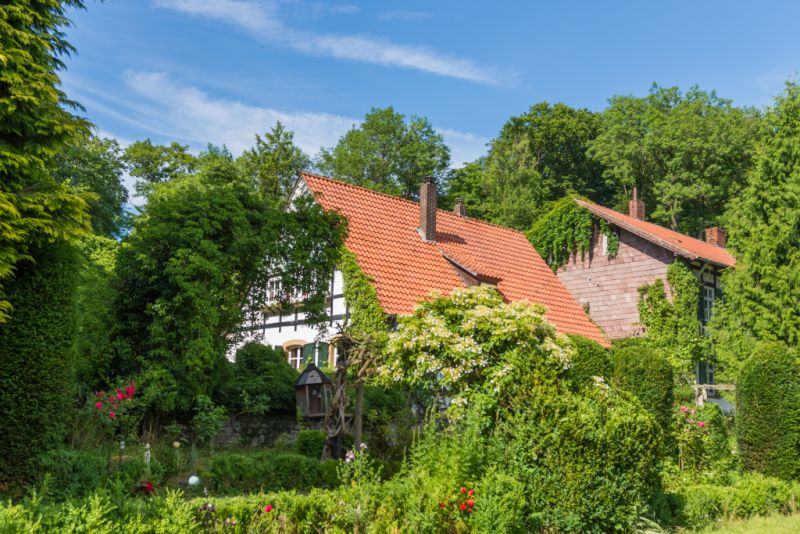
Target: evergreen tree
{"x": 761, "y": 294}
{"x": 35, "y": 123}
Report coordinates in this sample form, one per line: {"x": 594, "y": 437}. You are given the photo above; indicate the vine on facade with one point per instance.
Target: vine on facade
{"x": 671, "y": 325}
{"x": 566, "y": 229}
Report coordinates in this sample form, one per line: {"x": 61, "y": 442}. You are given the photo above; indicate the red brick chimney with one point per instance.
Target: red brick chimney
{"x": 427, "y": 209}
{"x": 716, "y": 236}
{"x": 459, "y": 208}
{"x": 636, "y": 206}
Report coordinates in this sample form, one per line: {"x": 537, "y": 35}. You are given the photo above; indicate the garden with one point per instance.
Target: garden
{"x": 523, "y": 430}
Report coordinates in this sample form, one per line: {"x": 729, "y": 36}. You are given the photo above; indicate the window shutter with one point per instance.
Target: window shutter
{"x": 308, "y": 353}
{"x": 322, "y": 358}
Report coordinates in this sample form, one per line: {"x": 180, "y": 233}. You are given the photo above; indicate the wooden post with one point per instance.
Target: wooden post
{"x": 357, "y": 415}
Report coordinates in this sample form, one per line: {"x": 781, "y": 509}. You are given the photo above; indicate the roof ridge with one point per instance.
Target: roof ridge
{"x": 395, "y": 197}
{"x": 687, "y": 236}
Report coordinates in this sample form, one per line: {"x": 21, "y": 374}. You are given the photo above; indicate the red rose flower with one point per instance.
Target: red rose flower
{"x": 470, "y": 502}
{"x": 463, "y": 506}
{"x": 469, "y": 510}
{"x": 268, "y": 508}
{"x": 471, "y": 493}
{"x": 98, "y": 405}
{"x": 463, "y": 489}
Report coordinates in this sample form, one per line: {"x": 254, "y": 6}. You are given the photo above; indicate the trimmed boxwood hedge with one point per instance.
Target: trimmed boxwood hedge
{"x": 647, "y": 374}
{"x": 768, "y": 411}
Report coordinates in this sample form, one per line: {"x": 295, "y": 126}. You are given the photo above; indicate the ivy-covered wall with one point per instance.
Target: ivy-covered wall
{"x": 671, "y": 326}
{"x": 566, "y": 229}
{"x": 367, "y": 318}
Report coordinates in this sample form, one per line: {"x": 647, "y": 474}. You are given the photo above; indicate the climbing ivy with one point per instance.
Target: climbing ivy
{"x": 569, "y": 228}
{"x": 367, "y": 318}
{"x": 672, "y": 326}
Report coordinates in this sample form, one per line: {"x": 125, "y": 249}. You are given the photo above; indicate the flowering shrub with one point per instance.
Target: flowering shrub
{"x": 358, "y": 467}
{"x": 471, "y": 342}
{"x": 692, "y": 435}
{"x": 112, "y": 405}
{"x": 459, "y": 504}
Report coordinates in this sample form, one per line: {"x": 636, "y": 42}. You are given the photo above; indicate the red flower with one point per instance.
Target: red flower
{"x": 463, "y": 506}
{"x": 120, "y": 395}
{"x": 471, "y": 493}
{"x": 129, "y": 391}
{"x": 470, "y": 502}
{"x": 441, "y": 505}
{"x": 268, "y": 508}
{"x": 98, "y": 405}
{"x": 111, "y": 414}
{"x": 463, "y": 489}
{"x": 469, "y": 511}
{"x": 147, "y": 487}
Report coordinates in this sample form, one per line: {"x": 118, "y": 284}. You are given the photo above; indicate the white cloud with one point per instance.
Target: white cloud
{"x": 464, "y": 147}
{"x": 262, "y": 20}
{"x": 404, "y": 15}
{"x": 193, "y": 116}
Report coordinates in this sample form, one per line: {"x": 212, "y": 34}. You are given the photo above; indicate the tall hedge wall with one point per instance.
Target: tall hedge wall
{"x": 768, "y": 411}
{"x": 36, "y": 360}
{"x": 647, "y": 374}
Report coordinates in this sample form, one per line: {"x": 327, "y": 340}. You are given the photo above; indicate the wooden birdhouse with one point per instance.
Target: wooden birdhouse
{"x": 313, "y": 390}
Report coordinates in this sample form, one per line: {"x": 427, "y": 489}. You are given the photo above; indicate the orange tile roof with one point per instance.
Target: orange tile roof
{"x": 680, "y": 244}
{"x": 382, "y": 233}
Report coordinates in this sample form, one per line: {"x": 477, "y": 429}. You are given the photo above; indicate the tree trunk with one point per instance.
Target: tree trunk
{"x": 357, "y": 415}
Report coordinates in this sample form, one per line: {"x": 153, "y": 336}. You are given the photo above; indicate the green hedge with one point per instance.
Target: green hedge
{"x": 768, "y": 411}
{"x": 310, "y": 443}
{"x": 590, "y": 360}
{"x": 647, "y": 374}
{"x": 268, "y": 471}
{"x": 36, "y": 360}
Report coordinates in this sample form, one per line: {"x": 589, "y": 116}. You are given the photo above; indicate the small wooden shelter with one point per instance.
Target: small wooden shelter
{"x": 313, "y": 390}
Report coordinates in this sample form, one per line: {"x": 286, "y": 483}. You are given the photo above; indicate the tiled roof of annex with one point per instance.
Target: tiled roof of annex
{"x": 382, "y": 233}
{"x": 680, "y": 244}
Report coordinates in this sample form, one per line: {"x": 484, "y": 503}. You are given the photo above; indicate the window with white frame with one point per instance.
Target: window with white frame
{"x": 295, "y": 354}
{"x": 708, "y": 303}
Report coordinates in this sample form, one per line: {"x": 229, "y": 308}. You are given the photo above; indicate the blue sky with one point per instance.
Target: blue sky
{"x": 219, "y": 71}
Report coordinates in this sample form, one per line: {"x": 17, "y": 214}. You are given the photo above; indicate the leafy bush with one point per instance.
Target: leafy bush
{"x": 768, "y": 411}
{"x": 267, "y": 471}
{"x": 753, "y": 494}
{"x": 586, "y": 462}
{"x": 590, "y": 360}
{"x": 208, "y": 420}
{"x": 310, "y": 443}
{"x": 643, "y": 371}
{"x": 262, "y": 381}
{"x": 73, "y": 473}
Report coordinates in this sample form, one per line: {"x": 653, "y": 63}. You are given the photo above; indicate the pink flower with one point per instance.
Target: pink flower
{"x": 684, "y": 409}
{"x": 701, "y": 424}
{"x": 268, "y": 508}
{"x": 120, "y": 395}
{"x": 98, "y": 405}
{"x": 111, "y": 414}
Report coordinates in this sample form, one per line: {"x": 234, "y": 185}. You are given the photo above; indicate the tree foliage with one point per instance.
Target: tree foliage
{"x": 156, "y": 164}
{"x": 539, "y": 157}
{"x": 761, "y": 293}
{"x": 768, "y": 411}
{"x": 388, "y": 153}
{"x": 95, "y": 165}
{"x": 195, "y": 263}
{"x": 688, "y": 153}
{"x": 274, "y": 162}
{"x": 35, "y": 123}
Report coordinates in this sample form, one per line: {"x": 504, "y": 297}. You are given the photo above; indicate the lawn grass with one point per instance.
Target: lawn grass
{"x": 775, "y": 524}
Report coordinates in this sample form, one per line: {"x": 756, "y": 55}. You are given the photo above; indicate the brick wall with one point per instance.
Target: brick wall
{"x": 610, "y": 285}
